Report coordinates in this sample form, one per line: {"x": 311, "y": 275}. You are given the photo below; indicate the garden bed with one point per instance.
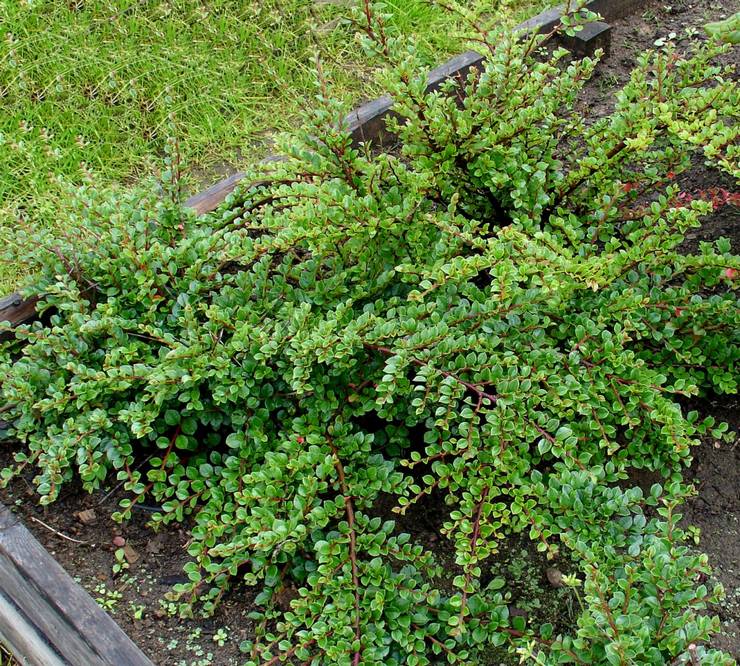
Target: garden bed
{"x": 135, "y": 596}
{"x": 135, "y": 599}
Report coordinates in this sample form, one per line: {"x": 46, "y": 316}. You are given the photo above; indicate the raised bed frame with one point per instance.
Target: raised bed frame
{"x": 46, "y": 619}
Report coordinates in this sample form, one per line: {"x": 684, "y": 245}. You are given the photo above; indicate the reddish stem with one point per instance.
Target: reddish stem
{"x": 473, "y": 546}
{"x": 349, "y": 509}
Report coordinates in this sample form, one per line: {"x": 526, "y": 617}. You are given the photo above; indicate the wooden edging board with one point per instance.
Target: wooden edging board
{"x": 46, "y": 618}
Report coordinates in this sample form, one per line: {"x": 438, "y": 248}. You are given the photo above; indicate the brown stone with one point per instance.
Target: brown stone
{"x": 87, "y": 516}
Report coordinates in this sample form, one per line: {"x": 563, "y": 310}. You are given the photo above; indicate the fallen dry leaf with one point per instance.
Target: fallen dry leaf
{"x": 131, "y": 554}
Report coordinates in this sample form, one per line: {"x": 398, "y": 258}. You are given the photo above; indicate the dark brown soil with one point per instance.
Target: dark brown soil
{"x": 639, "y": 32}
{"x": 716, "y": 512}
{"x": 142, "y": 610}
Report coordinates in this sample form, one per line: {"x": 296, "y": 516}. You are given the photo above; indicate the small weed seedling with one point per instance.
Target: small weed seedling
{"x": 106, "y": 598}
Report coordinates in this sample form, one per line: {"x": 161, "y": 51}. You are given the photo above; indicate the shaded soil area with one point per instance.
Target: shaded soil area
{"x": 716, "y": 512}
{"x": 632, "y": 36}
{"x": 529, "y": 584}
{"x": 136, "y": 596}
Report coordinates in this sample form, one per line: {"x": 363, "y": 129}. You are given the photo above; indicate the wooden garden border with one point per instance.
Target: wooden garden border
{"x": 46, "y": 618}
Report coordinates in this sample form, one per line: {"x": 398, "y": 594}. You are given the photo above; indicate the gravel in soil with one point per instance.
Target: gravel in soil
{"x": 136, "y": 596}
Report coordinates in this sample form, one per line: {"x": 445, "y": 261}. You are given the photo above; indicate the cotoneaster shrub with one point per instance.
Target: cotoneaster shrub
{"x": 500, "y": 314}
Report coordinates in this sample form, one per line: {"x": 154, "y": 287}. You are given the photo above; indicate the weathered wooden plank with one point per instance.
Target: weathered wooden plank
{"x": 63, "y": 616}
{"x": 596, "y": 35}
{"x": 210, "y": 199}
{"x": 610, "y": 10}
{"x": 543, "y": 22}
{"x": 33, "y": 604}
{"x": 23, "y": 639}
{"x": 455, "y": 68}
{"x": 16, "y": 310}
{"x": 214, "y": 196}
{"x": 367, "y": 123}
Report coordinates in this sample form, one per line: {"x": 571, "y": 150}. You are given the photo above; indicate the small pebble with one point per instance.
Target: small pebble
{"x": 119, "y": 541}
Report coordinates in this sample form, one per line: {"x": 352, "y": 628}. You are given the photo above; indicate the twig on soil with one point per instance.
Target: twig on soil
{"x": 60, "y": 534}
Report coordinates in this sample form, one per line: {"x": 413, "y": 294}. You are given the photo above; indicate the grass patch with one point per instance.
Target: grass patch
{"x": 91, "y": 85}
